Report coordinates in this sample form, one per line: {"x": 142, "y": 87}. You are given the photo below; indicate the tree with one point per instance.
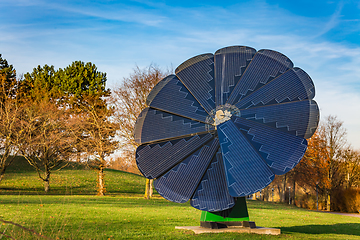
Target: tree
{"x": 59, "y": 98}
{"x": 9, "y": 115}
{"x": 67, "y": 87}
{"x": 96, "y": 136}
{"x": 41, "y": 84}
{"x": 322, "y": 167}
{"x": 334, "y": 137}
{"x": 48, "y": 142}
{"x": 10, "y": 133}
{"x": 129, "y": 100}
{"x": 7, "y": 80}
{"x": 351, "y": 167}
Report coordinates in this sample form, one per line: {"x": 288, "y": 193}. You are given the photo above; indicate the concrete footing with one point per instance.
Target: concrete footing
{"x": 257, "y": 230}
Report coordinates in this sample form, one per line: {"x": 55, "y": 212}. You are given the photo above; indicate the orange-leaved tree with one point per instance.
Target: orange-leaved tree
{"x": 323, "y": 164}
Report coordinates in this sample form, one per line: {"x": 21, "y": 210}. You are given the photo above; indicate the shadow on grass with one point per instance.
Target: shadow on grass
{"x": 39, "y": 190}
{"x": 339, "y": 228}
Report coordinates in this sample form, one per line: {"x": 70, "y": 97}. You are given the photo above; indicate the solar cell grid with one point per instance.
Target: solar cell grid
{"x": 224, "y": 125}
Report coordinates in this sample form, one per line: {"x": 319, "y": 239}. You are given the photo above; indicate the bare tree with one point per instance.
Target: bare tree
{"x": 10, "y": 111}
{"x": 333, "y": 134}
{"x": 129, "y": 99}
{"x": 47, "y": 144}
{"x": 95, "y": 133}
{"x": 10, "y": 134}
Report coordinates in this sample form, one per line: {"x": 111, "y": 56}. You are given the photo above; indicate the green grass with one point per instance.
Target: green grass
{"x": 75, "y": 179}
{"x": 73, "y": 212}
{"x": 121, "y": 217}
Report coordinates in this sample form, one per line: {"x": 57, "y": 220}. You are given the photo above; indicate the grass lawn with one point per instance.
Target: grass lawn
{"x": 117, "y": 217}
{"x": 72, "y": 211}
{"x": 21, "y": 178}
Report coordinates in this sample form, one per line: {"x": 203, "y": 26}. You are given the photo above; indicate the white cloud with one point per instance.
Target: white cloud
{"x": 334, "y": 20}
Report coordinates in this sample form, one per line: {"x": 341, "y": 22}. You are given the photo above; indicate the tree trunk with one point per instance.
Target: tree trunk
{"x": 47, "y": 182}
{"x": 101, "y": 181}
{"x": 1, "y": 177}
{"x": 148, "y": 188}
{"x": 283, "y": 189}
{"x": 293, "y": 195}
{"x": 151, "y": 187}
{"x": 2, "y": 172}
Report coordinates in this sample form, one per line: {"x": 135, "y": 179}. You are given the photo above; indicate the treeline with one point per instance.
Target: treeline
{"x": 53, "y": 116}
{"x": 328, "y": 176}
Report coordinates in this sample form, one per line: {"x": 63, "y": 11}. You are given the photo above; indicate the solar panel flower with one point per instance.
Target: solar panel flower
{"x": 224, "y": 125}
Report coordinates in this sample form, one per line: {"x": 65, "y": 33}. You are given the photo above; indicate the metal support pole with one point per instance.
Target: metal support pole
{"x": 289, "y": 195}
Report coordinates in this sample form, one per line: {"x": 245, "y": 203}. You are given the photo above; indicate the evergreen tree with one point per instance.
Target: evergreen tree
{"x": 7, "y": 80}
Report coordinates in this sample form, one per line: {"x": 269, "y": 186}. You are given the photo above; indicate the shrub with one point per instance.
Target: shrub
{"x": 346, "y": 200}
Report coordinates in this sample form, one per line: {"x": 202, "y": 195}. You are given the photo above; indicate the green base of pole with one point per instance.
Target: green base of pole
{"x": 238, "y": 213}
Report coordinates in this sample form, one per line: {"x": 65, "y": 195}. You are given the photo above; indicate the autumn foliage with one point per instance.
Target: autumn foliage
{"x": 327, "y": 177}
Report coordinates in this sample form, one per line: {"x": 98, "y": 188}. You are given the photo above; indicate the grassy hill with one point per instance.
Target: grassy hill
{"x": 75, "y": 179}
{"x": 72, "y": 211}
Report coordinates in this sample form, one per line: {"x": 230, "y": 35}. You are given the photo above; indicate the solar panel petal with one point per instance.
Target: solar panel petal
{"x": 179, "y": 184}
{"x": 298, "y": 118}
{"x": 264, "y": 67}
{"x": 197, "y": 74}
{"x": 246, "y": 172}
{"x": 230, "y": 64}
{"x": 155, "y": 125}
{"x": 153, "y": 160}
{"x": 212, "y": 194}
{"x": 280, "y": 150}
{"x": 293, "y": 85}
{"x": 170, "y": 95}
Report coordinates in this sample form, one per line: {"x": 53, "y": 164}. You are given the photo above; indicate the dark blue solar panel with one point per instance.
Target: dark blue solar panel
{"x": 230, "y": 64}
{"x": 281, "y": 151}
{"x": 294, "y": 85}
{"x": 265, "y": 66}
{"x": 179, "y": 184}
{"x": 246, "y": 172}
{"x": 153, "y": 160}
{"x": 265, "y": 110}
{"x": 155, "y": 125}
{"x": 197, "y": 74}
{"x": 212, "y": 194}
{"x": 314, "y": 118}
{"x": 170, "y": 95}
{"x": 297, "y": 118}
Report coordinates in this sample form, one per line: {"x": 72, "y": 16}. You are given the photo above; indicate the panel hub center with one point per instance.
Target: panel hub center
{"x": 224, "y": 113}
{"x": 222, "y": 116}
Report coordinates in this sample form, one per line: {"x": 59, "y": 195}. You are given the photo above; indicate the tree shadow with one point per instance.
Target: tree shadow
{"x": 338, "y": 228}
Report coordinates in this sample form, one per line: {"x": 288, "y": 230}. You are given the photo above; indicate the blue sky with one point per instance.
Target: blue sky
{"x": 321, "y": 37}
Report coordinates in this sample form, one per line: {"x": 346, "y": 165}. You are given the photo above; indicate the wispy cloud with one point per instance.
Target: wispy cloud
{"x": 122, "y": 13}
{"x": 334, "y": 20}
